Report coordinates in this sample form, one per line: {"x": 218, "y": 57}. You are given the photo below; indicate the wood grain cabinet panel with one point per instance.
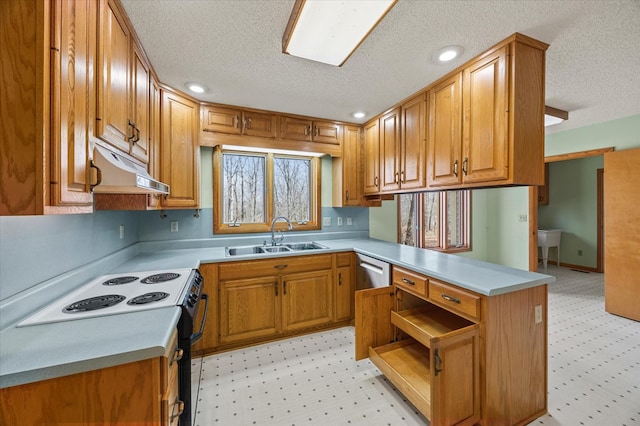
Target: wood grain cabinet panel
{"x": 372, "y": 157}
{"x": 348, "y": 170}
{"x": 47, "y": 107}
{"x": 413, "y": 147}
{"x": 344, "y": 287}
{"x": 307, "y": 130}
{"x": 234, "y": 121}
{"x": 179, "y": 151}
{"x": 140, "y": 105}
{"x": 307, "y": 299}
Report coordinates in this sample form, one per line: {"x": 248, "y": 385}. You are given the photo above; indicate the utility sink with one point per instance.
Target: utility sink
{"x": 264, "y": 249}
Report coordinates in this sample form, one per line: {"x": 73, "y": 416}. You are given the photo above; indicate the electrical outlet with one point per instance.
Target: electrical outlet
{"x": 522, "y": 217}
{"x": 174, "y": 226}
{"x": 326, "y": 221}
{"x": 349, "y": 222}
{"x": 122, "y": 232}
{"x": 339, "y": 223}
{"x": 538, "y": 314}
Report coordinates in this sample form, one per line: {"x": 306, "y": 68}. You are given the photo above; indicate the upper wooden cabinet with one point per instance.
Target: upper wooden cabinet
{"x": 414, "y": 144}
{"x": 445, "y": 132}
{"x": 347, "y": 170}
{"x": 123, "y": 90}
{"x": 238, "y": 122}
{"x": 486, "y": 119}
{"x": 302, "y": 129}
{"x": 372, "y": 157}
{"x": 390, "y": 150}
{"x": 47, "y": 106}
{"x": 179, "y": 150}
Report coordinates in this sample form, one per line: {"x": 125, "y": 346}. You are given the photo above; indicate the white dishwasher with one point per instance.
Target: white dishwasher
{"x": 372, "y": 272}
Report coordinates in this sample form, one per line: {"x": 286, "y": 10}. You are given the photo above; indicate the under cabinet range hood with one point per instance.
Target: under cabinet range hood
{"x": 118, "y": 174}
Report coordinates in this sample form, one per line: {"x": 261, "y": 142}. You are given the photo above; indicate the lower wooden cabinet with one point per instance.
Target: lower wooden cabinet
{"x": 460, "y": 357}
{"x": 142, "y": 393}
{"x": 257, "y": 300}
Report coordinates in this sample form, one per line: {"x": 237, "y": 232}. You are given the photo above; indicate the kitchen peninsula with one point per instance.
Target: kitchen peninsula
{"x": 511, "y": 343}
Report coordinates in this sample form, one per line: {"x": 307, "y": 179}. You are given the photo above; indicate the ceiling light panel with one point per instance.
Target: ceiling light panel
{"x": 329, "y": 31}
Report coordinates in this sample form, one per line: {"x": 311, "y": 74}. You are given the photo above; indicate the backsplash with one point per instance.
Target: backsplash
{"x": 34, "y": 249}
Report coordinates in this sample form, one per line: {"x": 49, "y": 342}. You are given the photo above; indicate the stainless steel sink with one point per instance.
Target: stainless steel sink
{"x": 264, "y": 249}
{"x": 305, "y": 246}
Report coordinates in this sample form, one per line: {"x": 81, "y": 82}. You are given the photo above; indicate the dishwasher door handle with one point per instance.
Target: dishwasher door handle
{"x": 372, "y": 268}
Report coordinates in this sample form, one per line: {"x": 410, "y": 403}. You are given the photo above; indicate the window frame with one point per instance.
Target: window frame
{"x": 219, "y": 227}
{"x": 442, "y": 224}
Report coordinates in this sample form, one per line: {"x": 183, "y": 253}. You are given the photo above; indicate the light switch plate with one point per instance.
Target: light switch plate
{"x": 349, "y": 222}
{"x": 339, "y": 221}
{"x": 174, "y": 226}
{"x": 122, "y": 232}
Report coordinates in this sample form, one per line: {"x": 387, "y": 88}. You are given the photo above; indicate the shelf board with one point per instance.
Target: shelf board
{"x": 406, "y": 365}
{"x": 427, "y": 325}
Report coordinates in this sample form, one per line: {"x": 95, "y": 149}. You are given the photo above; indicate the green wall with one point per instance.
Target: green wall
{"x": 573, "y": 208}
{"x": 383, "y": 222}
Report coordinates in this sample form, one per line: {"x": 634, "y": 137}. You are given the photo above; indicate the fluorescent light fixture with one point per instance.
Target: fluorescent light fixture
{"x": 554, "y": 116}
{"x": 329, "y": 31}
{"x": 272, "y": 151}
{"x": 195, "y": 87}
{"x": 358, "y": 114}
{"x": 447, "y": 53}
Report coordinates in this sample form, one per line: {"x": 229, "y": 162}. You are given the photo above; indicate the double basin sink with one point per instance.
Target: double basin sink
{"x": 265, "y": 249}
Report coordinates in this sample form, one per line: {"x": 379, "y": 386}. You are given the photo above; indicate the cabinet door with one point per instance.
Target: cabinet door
{"x": 351, "y": 167}
{"x": 296, "y": 129}
{"x": 72, "y": 100}
{"x": 179, "y": 151}
{"x": 371, "y": 157}
{"x": 373, "y": 319}
{"x": 485, "y": 152}
{"x": 140, "y": 90}
{"x": 326, "y": 132}
{"x": 259, "y": 124}
{"x": 154, "y": 139}
{"x": 345, "y": 284}
{"x": 306, "y": 299}
{"x": 249, "y": 309}
{"x": 112, "y": 122}
{"x": 390, "y": 150}
{"x": 455, "y": 372}
{"x": 221, "y": 120}
{"x": 413, "y": 147}
{"x": 445, "y": 137}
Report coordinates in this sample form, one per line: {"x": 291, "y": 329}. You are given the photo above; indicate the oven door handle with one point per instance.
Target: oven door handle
{"x": 197, "y": 336}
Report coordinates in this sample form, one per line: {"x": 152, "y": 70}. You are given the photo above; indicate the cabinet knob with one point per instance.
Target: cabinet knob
{"x": 236, "y": 121}
{"x": 347, "y": 195}
{"x": 339, "y": 278}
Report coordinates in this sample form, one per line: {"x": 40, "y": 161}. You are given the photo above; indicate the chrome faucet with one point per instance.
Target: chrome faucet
{"x": 274, "y": 240}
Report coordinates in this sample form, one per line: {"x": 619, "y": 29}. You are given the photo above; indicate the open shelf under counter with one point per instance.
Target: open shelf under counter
{"x": 406, "y": 365}
{"x": 427, "y": 324}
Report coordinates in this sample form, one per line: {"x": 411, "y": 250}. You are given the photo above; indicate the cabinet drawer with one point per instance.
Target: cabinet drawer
{"x": 172, "y": 407}
{"x": 343, "y": 259}
{"x": 276, "y": 266}
{"x": 455, "y": 299}
{"x": 410, "y": 281}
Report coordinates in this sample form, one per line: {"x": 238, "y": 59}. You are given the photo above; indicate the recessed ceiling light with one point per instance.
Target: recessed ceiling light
{"x": 359, "y": 114}
{"x": 447, "y": 53}
{"x": 196, "y": 88}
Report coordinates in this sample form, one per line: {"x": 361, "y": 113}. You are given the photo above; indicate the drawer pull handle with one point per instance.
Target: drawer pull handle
{"x": 437, "y": 362}
{"x": 450, "y": 298}
{"x": 180, "y": 405}
{"x": 408, "y": 281}
{"x": 281, "y": 266}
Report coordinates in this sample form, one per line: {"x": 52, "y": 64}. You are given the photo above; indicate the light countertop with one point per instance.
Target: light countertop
{"x": 40, "y": 352}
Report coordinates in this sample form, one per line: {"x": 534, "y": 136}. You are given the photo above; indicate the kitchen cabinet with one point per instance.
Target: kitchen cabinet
{"x": 235, "y": 121}
{"x": 307, "y": 130}
{"x": 344, "y": 286}
{"x": 486, "y": 119}
{"x": 209, "y": 338}
{"x": 372, "y": 157}
{"x": 142, "y": 392}
{"x": 179, "y": 150}
{"x": 458, "y": 356}
{"x": 47, "y": 106}
{"x": 123, "y": 89}
{"x": 390, "y": 150}
{"x": 267, "y": 298}
{"x": 348, "y": 169}
{"x": 445, "y": 132}
{"x": 403, "y": 146}
{"x": 155, "y": 98}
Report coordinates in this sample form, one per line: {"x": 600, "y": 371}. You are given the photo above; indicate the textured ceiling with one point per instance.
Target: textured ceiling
{"x": 234, "y": 48}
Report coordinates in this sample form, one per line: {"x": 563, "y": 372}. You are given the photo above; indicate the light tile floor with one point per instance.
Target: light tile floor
{"x": 594, "y": 373}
